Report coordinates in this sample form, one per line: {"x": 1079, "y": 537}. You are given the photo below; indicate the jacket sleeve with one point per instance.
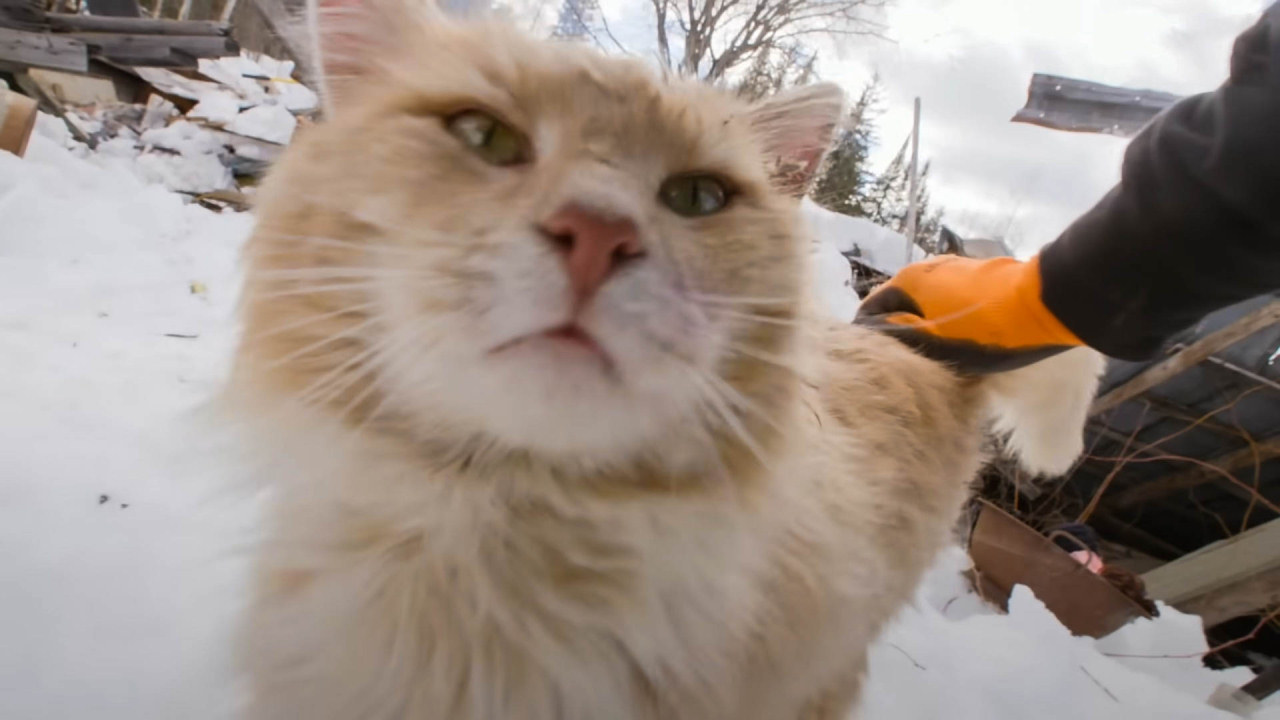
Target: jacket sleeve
{"x": 1194, "y": 224}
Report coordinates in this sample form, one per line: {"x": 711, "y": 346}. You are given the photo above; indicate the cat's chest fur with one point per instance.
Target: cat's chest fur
{"x": 478, "y": 600}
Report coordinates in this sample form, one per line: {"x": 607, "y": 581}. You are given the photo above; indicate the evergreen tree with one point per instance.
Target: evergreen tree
{"x": 845, "y": 179}
{"x": 848, "y": 186}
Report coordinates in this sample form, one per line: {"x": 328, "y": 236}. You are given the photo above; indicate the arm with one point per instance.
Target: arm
{"x": 1194, "y": 224}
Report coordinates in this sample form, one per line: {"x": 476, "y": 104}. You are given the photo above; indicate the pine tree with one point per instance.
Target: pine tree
{"x": 848, "y": 186}
{"x": 576, "y": 19}
{"x": 845, "y": 179}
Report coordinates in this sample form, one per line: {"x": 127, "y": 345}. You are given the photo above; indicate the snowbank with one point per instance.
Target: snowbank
{"x": 121, "y": 546}
{"x": 120, "y": 569}
{"x": 875, "y": 246}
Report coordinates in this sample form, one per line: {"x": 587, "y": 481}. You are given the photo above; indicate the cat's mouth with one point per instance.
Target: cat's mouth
{"x": 570, "y": 337}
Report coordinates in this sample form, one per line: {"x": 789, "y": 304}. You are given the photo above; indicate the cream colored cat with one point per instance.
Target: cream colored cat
{"x": 549, "y": 429}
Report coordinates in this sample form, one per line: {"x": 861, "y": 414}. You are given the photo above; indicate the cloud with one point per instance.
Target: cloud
{"x": 971, "y": 60}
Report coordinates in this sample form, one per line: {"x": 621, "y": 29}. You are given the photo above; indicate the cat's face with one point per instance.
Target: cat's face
{"x": 528, "y": 242}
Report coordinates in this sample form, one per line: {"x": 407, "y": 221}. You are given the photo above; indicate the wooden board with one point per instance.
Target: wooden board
{"x": 33, "y": 49}
{"x": 17, "y": 119}
{"x": 119, "y": 45}
{"x": 1263, "y": 317}
{"x": 1223, "y": 576}
{"x": 134, "y": 26}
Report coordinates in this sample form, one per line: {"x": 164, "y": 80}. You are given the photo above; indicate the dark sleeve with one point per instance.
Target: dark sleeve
{"x": 1194, "y": 224}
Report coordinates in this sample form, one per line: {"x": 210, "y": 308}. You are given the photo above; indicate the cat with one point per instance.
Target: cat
{"x": 551, "y": 426}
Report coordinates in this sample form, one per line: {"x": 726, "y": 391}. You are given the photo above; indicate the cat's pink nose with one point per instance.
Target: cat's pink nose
{"x": 594, "y": 244}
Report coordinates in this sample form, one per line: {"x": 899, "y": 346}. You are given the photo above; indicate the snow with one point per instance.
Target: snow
{"x": 833, "y": 281}
{"x": 122, "y": 543}
{"x": 217, "y": 106}
{"x": 273, "y": 123}
{"x": 875, "y": 246}
{"x": 116, "y": 607}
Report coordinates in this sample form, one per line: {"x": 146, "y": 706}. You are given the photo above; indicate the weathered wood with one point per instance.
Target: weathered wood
{"x": 1265, "y": 685}
{"x": 21, "y": 14}
{"x": 1228, "y": 463}
{"x": 1227, "y": 577}
{"x": 1241, "y": 598}
{"x": 33, "y": 49}
{"x": 135, "y": 26}
{"x": 17, "y": 119}
{"x": 156, "y": 49}
{"x": 1192, "y": 354}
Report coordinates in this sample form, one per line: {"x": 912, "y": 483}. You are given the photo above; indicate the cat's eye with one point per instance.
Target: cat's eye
{"x": 496, "y": 142}
{"x": 694, "y": 195}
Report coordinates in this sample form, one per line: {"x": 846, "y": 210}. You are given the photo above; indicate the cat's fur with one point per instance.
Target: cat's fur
{"x": 714, "y": 524}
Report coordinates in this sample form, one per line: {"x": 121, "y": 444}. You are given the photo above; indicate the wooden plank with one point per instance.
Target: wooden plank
{"x": 142, "y": 48}
{"x": 1192, "y": 354}
{"x": 33, "y": 49}
{"x": 1241, "y": 598}
{"x": 1229, "y": 463}
{"x": 1211, "y": 572}
{"x": 135, "y": 26}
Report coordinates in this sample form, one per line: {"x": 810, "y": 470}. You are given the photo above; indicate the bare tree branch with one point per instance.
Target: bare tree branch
{"x": 721, "y": 35}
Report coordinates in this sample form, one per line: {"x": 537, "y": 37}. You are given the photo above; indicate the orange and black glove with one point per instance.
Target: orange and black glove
{"x": 980, "y": 316}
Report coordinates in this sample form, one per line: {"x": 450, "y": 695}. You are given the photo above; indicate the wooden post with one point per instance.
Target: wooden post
{"x": 913, "y": 181}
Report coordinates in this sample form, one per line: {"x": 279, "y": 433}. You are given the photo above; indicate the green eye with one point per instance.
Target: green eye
{"x": 493, "y": 140}
{"x": 694, "y": 195}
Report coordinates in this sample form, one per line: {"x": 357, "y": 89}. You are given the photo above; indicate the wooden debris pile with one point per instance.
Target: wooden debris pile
{"x": 31, "y": 37}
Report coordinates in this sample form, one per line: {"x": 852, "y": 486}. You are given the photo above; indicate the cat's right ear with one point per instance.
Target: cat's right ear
{"x": 348, "y": 39}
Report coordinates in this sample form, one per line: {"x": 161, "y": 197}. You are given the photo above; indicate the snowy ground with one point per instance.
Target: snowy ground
{"x": 122, "y": 546}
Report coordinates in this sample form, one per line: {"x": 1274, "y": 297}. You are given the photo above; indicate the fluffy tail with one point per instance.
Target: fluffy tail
{"x": 1041, "y": 409}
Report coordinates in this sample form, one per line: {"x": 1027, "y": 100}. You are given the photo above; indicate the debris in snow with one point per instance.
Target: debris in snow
{"x": 244, "y": 113}
{"x": 102, "y": 499}
{"x": 218, "y": 107}
{"x": 272, "y": 123}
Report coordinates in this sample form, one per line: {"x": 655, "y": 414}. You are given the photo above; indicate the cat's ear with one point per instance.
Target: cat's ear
{"x": 349, "y": 38}
{"x": 795, "y": 128}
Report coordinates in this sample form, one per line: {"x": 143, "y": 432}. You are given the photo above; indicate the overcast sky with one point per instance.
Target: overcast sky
{"x": 970, "y": 62}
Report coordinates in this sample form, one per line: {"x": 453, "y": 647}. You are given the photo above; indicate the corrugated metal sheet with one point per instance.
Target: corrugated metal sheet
{"x": 1075, "y": 105}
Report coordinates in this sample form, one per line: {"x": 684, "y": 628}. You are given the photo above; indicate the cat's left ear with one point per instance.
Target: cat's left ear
{"x": 349, "y": 39}
{"x": 795, "y": 128}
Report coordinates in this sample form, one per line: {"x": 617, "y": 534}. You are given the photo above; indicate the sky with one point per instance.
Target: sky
{"x": 970, "y": 62}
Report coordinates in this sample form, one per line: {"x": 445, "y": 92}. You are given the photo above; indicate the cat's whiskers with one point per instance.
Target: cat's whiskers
{"x": 313, "y": 289}
{"x": 716, "y": 301}
{"x": 357, "y": 310}
{"x": 338, "y": 273}
{"x": 387, "y": 359}
{"x": 344, "y": 334}
{"x": 729, "y": 418}
{"x": 765, "y": 357}
{"x": 339, "y": 379}
{"x": 754, "y": 317}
